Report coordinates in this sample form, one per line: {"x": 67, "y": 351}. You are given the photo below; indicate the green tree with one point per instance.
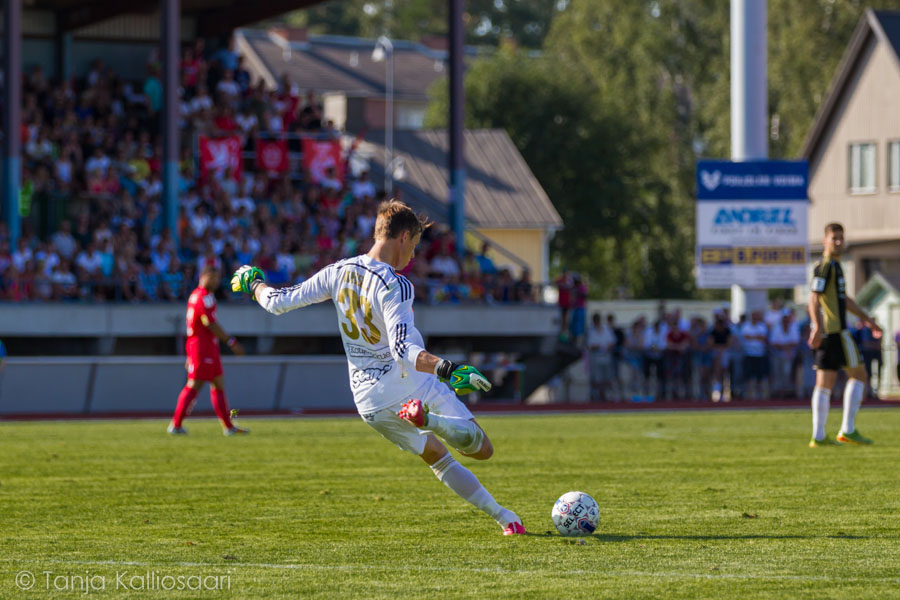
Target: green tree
{"x": 487, "y": 22}
{"x": 590, "y": 160}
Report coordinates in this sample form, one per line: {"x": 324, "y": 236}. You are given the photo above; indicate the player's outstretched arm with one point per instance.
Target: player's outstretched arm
{"x": 250, "y": 280}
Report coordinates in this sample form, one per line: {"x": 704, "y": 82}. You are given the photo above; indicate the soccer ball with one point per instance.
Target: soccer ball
{"x": 576, "y": 513}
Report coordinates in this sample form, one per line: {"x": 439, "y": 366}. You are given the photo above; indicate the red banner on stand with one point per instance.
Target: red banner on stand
{"x": 272, "y": 155}
{"x": 318, "y": 155}
{"x": 218, "y": 154}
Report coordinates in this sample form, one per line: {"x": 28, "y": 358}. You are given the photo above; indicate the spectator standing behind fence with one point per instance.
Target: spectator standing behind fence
{"x": 870, "y": 348}
{"x": 897, "y": 343}
{"x": 634, "y": 358}
{"x": 755, "y": 334}
{"x": 736, "y": 358}
{"x": 564, "y": 290}
{"x": 654, "y": 345}
{"x": 600, "y": 342}
{"x": 784, "y": 340}
{"x": 677, "y": 373}
{"x": 618, "y": 351}
{"x": 721, "y": 338}
{"x": 579, "y": 307}
{"x": 701, "y": 359}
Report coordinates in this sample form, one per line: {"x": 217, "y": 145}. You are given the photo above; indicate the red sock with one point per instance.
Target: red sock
{"x": 220, "y": 405}
{"x": 185, "y": 403}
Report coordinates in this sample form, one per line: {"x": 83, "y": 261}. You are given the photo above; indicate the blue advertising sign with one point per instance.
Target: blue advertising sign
{"x": 751, "y": 223}
{"x": 754, "y": 180}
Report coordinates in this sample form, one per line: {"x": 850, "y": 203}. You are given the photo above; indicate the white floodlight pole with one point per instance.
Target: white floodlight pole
{"x": 749, "y": 111}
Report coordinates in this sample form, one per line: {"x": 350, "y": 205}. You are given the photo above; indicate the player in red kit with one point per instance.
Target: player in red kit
{"x": 203, "y": 362}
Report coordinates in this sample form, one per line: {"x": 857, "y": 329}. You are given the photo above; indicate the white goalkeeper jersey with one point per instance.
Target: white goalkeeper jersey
{"x": 374, "y": 307}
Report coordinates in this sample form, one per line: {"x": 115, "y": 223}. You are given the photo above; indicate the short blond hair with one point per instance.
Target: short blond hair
{"x": 395, "y": 217}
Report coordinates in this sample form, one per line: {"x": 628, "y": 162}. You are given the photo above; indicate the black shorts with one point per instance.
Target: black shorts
{"x": 838, "y": 351}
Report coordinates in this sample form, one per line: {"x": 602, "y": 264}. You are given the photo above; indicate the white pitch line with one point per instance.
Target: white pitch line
{"x": 392, "y": 567}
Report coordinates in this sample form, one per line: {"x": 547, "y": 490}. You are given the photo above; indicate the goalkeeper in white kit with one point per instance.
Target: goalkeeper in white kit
{"x": 397, "y": 385}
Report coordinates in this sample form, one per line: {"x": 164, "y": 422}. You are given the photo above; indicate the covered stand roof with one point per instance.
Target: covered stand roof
{"x": 501, "y": 191}
{"x": 214, "y": 17}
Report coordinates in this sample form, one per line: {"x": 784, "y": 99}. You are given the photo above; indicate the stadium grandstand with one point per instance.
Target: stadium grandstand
{"x": 96, "y": 220}
{"x": 137, "y": 164}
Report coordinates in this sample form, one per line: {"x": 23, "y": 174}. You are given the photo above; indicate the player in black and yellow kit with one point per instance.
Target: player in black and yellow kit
{"x": 833, "y": 344}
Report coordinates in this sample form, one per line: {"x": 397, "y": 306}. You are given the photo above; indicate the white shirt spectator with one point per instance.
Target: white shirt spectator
{"x": 285, "y": 262}
{"x": 102, "y": 234}
{"x": 161, "y": 260}
{"x": 246, "y": 203}
{"x": 654, "y": 341}
{"x": 90, "y": 262}
{"x": 154, "y": 187}
{"x": 778, "y": 336}
{"x": 331, "y": 183}
{"x": 50, "y": 260}
{"x": 65, "y": 279}
{"x": 200, "y": 103}
{"x": 600, "y": 339}
{"x": 252, "y": 246}
{"x": 39, "y": 149}
{"x": 64, "y": 170}
{"x": 101, "y": 162}
{"x": 217, "y": 243}
{"x": 224, "y": 225}
{"x": 365, "y": 223}
{"x": 362, "y": 189}
{"x": 229, "y": 186}
{"x": 20, "y": 258}
{"x": 199, "y": 224}
{"x": 64, "y": 243}
{"x": 772, "y": 317}
{"x": 189, "y": 201}
{"x": 276, "y": 123}
{"x": 754, "y": 347}
{"x": 229, "y": 88}
{"x": 247, "y": 122}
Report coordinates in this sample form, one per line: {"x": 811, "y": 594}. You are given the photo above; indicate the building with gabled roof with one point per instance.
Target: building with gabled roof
{"x": 853, "y": 150}
{"x": 341, "y": 70}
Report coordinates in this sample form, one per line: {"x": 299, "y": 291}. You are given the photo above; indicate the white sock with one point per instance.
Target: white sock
{"x": 466, "y": 485}
{"x": 463, "y": 434}
{"x": 820, "y": 400}
{"x": 853, "y": 393}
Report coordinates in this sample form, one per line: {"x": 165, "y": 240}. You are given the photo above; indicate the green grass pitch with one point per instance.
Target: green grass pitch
{"x": 693, "y": 505}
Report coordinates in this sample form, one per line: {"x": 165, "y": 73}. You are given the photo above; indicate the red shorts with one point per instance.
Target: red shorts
{"x": 204, "y": 367}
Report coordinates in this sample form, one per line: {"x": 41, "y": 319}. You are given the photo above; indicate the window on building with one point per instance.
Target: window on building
{"x": 894, "y": 166}
{"x": 862, "y": 168}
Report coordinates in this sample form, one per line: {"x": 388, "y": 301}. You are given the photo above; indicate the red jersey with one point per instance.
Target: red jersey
{"x": 677, "y": 337}
{"x": 200, "y": 340}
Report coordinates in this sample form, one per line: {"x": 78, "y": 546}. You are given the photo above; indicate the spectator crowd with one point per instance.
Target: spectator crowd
{"x": 92, "y": 213}
{"x": 765, "y": 356}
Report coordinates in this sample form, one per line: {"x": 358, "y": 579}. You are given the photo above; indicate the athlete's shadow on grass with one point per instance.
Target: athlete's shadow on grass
{"x": 599, "y": 537}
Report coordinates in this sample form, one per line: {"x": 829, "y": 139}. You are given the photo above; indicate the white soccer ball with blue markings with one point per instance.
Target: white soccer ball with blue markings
{"x": 576, "y": 513}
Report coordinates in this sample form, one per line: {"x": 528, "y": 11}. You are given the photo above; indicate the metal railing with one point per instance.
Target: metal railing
{"x": 174, "y": 287}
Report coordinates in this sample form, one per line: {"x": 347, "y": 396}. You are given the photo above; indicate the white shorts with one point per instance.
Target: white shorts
{"x": 439, "y": 398}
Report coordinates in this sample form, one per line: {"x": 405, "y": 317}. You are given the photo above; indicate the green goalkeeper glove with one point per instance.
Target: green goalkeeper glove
{"x": 243, "y": 278}
{"x": 462, "y": 378}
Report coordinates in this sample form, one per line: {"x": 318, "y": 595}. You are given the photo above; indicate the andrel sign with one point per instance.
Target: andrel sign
{"x": 751, "y": 223}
